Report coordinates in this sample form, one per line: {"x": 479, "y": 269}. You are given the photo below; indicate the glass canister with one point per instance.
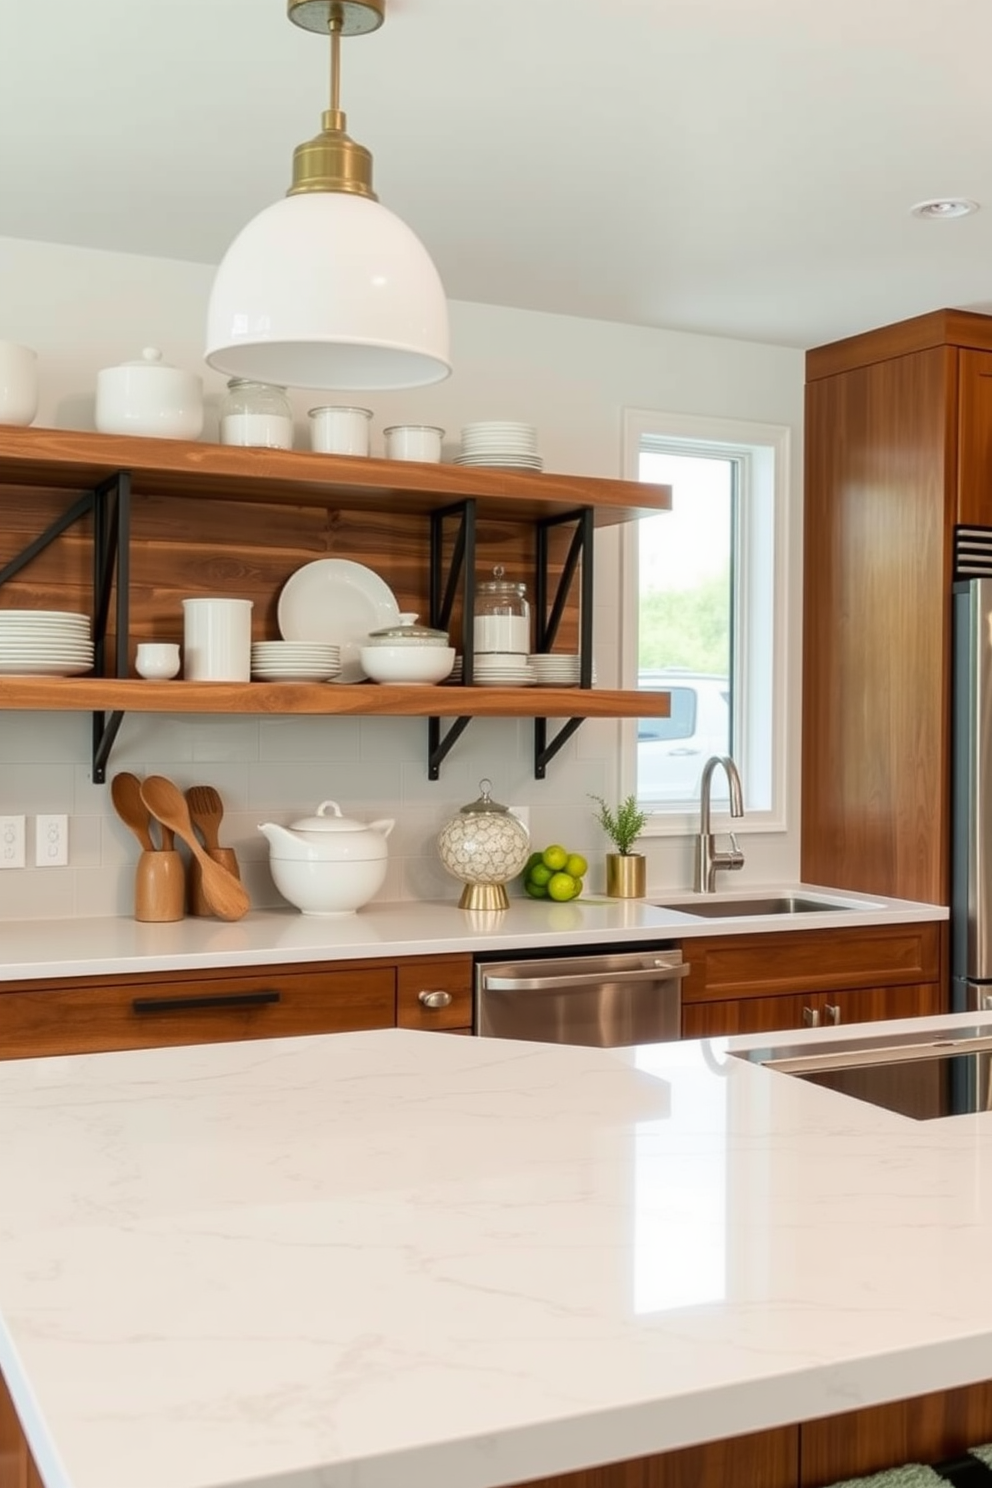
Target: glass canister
{"x": 501, "y": 621}
{"x": 485, "y": 846}
{"x": 256, "y": 413}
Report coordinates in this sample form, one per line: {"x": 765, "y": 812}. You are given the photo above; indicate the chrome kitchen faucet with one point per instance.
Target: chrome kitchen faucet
{"x": 708, "y": 860}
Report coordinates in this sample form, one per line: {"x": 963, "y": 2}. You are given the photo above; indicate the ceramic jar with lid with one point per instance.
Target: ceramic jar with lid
{"x": 148, "y": 397}
{"x": 258, "y": 414}
{"x": 501, "y": 618}
{"x": 328, "y": 864}
{"x": 407, "y": 653}
{"x": 485, "y": 846}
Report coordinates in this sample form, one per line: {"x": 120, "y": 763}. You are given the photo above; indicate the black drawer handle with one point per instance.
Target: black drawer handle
{"x": 209, "y": 1000}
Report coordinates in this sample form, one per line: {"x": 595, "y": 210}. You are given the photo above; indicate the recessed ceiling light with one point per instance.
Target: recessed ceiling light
{"x": 945, "y": 206}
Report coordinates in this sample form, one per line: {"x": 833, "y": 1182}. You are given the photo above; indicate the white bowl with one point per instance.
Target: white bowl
{"x": 412, "y": 665}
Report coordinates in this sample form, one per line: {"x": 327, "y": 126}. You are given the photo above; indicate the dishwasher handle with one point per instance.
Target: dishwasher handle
{"x": 663, "y": 972}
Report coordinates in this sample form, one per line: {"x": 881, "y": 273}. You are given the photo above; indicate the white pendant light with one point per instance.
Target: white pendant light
{"x": 327, "y": 288}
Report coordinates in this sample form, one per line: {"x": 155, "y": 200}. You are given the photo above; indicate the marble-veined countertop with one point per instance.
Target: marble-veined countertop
{"x": 394, "y": 1259}
{"x": 46, "y": 949}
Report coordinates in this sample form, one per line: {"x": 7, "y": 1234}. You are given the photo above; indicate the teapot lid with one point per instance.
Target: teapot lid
{"x": 324, "y": 823}
{"x": 408, "y": 630}
{"x": 150, "y": 357}
{"x": 484, "y": 803}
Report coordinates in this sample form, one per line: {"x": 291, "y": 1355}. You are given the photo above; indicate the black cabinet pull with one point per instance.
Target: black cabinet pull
{"x": 208, "y": 1000}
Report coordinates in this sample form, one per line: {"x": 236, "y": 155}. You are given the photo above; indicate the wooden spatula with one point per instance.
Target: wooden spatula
{"x": 207, "y": 811}
{"x": 227, "y": 898}
{"x": 125, "y": 792}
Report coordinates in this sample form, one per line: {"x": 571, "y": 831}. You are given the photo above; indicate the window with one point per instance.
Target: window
{"x": 704, "y": 599}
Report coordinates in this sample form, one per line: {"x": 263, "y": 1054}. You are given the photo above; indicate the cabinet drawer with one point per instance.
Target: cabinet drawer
{"x": 417, "y": 979}
{"x": 811, "y": 961}
{"x": 149, "y": 1014}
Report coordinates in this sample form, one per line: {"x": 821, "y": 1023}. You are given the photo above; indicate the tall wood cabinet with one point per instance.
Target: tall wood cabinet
{"x": 898, "y": 450}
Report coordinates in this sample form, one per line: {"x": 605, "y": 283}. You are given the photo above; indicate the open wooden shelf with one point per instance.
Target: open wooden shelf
{"x": 331, "y": 699}
{"x": 75, "y": 460}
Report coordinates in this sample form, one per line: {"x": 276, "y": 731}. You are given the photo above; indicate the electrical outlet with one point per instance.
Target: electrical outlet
{"x": 51, "y": 841}
{"x": 11, "y": 842}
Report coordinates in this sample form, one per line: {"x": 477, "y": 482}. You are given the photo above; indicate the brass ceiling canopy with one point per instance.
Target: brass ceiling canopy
{"x": 332, "y": 160}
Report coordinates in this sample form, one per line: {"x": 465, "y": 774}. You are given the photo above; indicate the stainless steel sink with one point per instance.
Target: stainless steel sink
{"x": 778, "y": 904}
{"x": 925, "y": 1076}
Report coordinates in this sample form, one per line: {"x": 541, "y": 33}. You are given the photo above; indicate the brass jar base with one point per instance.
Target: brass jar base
{"x": 626, "y": 875}
{"x": 484, "y": 896}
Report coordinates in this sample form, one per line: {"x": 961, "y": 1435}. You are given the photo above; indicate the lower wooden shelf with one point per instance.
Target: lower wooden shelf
{"x": 132, "y": 695}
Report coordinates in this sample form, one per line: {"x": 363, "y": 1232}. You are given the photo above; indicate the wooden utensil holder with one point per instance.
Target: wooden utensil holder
{"x": 226, "y": 857}
{"x": 160, "y": 887}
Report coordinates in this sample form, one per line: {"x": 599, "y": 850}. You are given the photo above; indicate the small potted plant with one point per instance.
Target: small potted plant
{"x": 626, "y": 871}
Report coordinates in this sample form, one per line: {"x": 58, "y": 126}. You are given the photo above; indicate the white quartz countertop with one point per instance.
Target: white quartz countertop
{"x": 399, "y": 1260}
{"x": 40, "y": 949}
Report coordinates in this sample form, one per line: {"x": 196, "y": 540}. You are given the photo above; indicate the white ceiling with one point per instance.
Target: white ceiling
{"x": 736, "y": 167}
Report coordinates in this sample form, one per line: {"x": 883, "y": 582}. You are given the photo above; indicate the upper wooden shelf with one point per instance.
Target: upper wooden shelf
{"x": 53, "y": 694}
{"x": 75, "y": 460}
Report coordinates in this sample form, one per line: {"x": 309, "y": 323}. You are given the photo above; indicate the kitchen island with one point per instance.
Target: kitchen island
{"x": 392, "y": 1260}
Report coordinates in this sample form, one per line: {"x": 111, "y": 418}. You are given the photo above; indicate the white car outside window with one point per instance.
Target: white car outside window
{"x": 672, "y": 751}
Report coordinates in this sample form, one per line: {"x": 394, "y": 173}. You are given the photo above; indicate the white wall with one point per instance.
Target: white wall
{"x": 82, "y": 310}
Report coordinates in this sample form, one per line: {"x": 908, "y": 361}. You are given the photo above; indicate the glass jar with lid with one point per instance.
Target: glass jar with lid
{"x": 501, "y": 619}
{"x": 484, "y": 845}
{"x": 256, "y": 413}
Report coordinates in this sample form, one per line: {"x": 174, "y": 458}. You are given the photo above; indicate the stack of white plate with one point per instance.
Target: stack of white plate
{"x": 507, "y": 445}
{"x": 294, "y": 661}
{"x": 45, "y": 643}
{"x": 455, "y": 675}
{"x": 557, "y": 671}
{"x": 503, "y": 673}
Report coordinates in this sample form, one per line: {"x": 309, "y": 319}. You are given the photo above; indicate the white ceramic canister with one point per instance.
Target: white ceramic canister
{"x": 18, "y": 383}
{"x": 413, "y": 442}
{"x": 149, "y": 397}
{"x": 217, "y": 640}
{"x": 340, "y": 431}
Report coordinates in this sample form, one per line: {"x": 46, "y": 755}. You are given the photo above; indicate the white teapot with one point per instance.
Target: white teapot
{"x": 328, "y": 864}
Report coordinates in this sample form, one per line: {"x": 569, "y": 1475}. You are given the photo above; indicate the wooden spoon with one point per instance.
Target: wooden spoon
{"x": 125, "y": 792}
{"x": 207, "y": 810}
{"x": 225, "y": 895}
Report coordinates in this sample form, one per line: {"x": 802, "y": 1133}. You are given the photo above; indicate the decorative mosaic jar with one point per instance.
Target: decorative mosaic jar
{"x": 485, "y": 846}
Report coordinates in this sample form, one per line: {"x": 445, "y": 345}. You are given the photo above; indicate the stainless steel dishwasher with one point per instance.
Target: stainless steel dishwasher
{"x": 604, "y": 1000}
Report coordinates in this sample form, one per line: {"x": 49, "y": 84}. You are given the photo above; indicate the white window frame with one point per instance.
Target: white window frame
{"x": 761, "y": 741}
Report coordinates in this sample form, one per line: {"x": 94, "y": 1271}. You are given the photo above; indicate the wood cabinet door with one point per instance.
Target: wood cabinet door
{"x": 764, "y": 1459}
{"x": 928, "y": 1428}
{"x": 193, "y": 1010}
{"x": 873, "y": 1004}
{"x": 974, "y": 472}
{"x": 435, "y": 992}
{"x": 819, "y": 1009}
{"x": 741, "y": 1015}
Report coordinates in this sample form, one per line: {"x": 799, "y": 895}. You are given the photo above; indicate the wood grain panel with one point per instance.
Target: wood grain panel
{"x": 875, "y": 794}
{"x": 764, "y": 1459}
{"x": 811, "y": 961}
{"x": 974, "y": 443}
{"x": 929, "y": 1428}
{"x": 104, "y": 1016}
{"x": 962, "y": 328}
{"x": 15, "y": 1459}
{"x": 741, "y": 1015}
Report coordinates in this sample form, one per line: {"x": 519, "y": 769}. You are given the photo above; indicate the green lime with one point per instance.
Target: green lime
{"x": 535, "y": 857}
{"x": 578, "y": 888}
{"x": 561, "y": 887}
{"x": 555, "y": 857}
{"x": 576, "y": 865}
{"x": 536, "y": 890}
{"x": 539, "y": 874}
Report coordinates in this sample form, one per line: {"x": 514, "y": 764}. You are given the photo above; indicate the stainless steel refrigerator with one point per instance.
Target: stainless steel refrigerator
{"x": 971, "y": 798}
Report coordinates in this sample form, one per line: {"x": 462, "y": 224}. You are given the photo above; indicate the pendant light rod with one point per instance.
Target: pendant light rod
{"x": 335, "y": 64}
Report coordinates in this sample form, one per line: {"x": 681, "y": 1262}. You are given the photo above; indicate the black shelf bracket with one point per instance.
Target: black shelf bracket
{"x": 550, "y": 609}
{"x": 110, "y": 505}
{"x": 445, "y": 582}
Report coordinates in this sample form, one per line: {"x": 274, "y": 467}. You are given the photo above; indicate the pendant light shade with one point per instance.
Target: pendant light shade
{"x": 329, "y": 290}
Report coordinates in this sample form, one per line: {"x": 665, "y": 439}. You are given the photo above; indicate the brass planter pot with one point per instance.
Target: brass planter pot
{"x": 626, "y": 875}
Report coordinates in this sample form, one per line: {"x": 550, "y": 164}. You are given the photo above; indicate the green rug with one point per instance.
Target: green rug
{"x": 910, "y": 1475}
